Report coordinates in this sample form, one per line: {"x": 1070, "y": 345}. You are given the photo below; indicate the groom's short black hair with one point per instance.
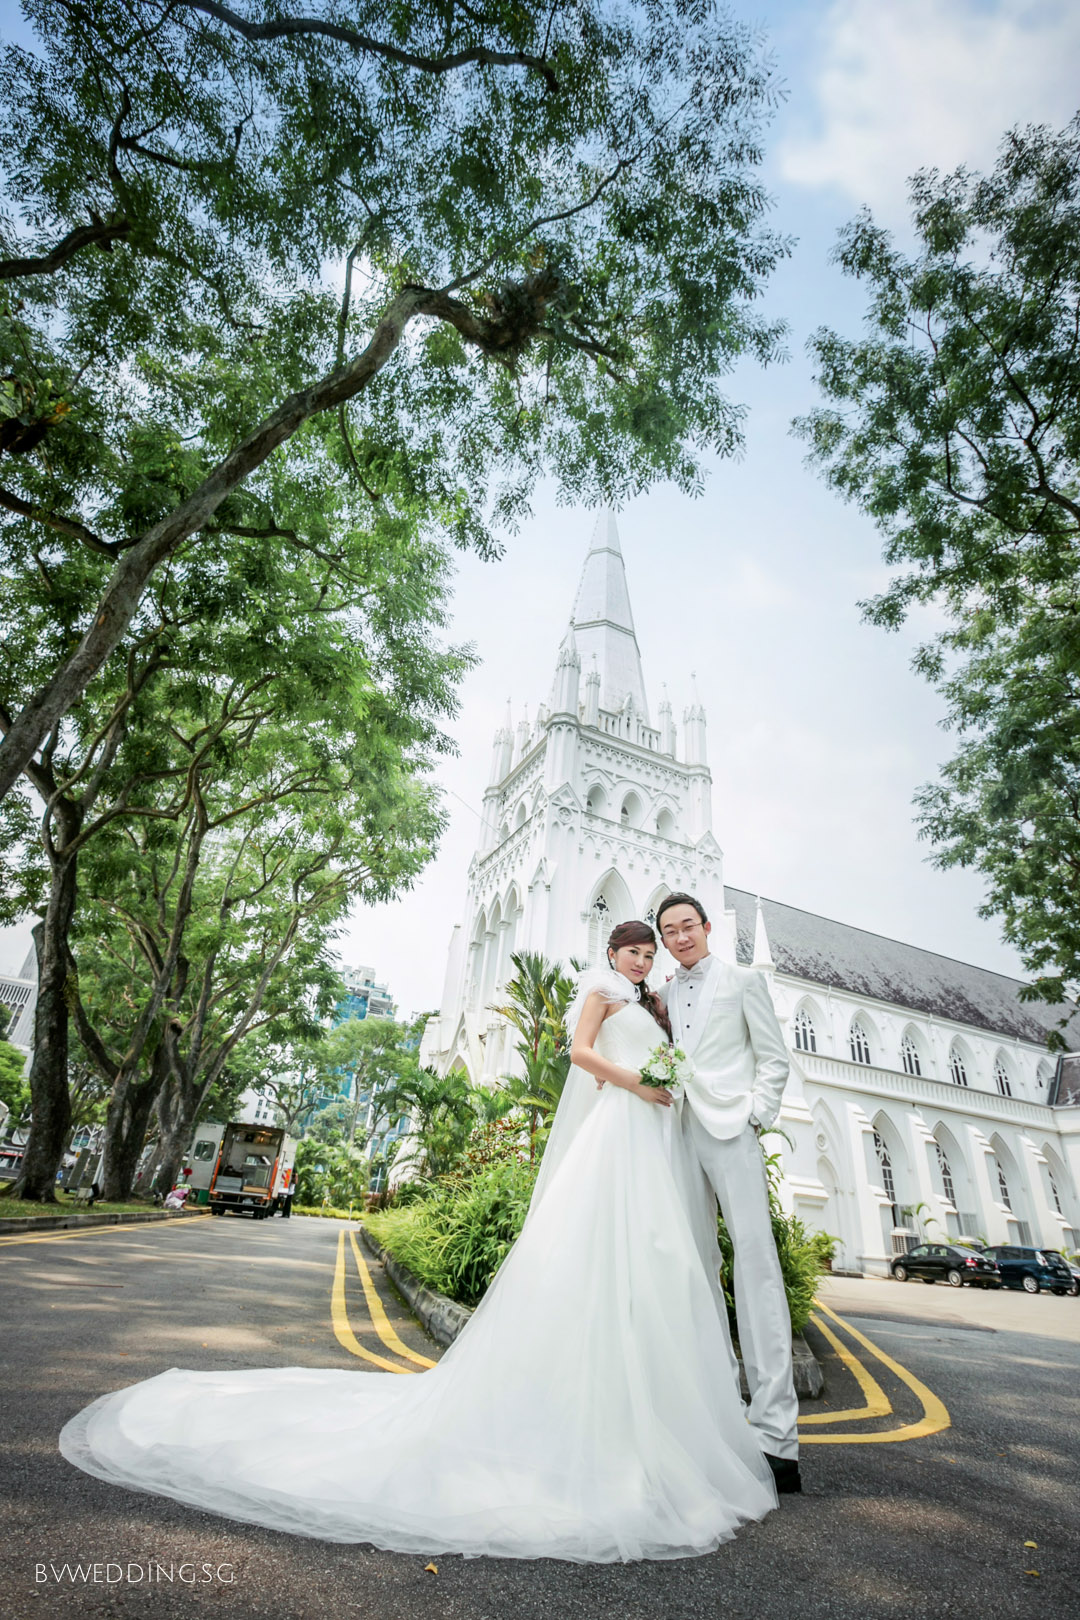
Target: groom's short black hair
{"x": 679, "y": 900}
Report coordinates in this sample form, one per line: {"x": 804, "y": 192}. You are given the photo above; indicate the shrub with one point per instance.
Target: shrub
{"x": 456, "y": 1239}
{"x": 454, "y": 1234}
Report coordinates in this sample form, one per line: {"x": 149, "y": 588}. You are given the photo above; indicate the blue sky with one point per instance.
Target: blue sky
{"x": 819, "y": 733}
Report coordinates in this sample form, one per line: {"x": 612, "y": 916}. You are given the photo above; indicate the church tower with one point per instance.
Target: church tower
{"x": 591, "y": 816}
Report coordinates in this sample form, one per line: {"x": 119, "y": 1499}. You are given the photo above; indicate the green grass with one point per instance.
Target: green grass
{"x": 329, "y": 1212}
{"x": 15, "y": 1208}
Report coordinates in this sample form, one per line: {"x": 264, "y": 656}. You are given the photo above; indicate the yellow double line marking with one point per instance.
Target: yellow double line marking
{"x": 935, "y": 1417}
{"x": 379, "y": 1320}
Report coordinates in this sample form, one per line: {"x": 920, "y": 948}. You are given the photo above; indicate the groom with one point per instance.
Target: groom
{"x": 722, "y": 1017}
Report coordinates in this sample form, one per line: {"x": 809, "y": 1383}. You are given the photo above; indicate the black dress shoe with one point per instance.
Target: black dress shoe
{"x": 786, "y": 1476}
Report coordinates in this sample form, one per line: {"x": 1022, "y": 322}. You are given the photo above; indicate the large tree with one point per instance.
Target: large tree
{"x": 416, "y": 254}
{"x": 223, "y": 925}
{"x": 258, "y": 702}
{"x": 955, "y": 423}
{"x": 365, "y": 1057}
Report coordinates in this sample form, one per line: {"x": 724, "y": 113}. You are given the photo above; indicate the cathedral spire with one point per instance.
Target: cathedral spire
{"x": 604, "y": 624}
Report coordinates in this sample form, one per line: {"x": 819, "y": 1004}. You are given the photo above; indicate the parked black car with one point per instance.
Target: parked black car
{"x": 1074, "y": 1269}
{"x": 1031, "y": 1269}
{"x": 944, "y": 1262}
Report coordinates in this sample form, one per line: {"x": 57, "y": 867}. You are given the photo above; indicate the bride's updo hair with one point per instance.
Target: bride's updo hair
{"x": 639, "y": 933}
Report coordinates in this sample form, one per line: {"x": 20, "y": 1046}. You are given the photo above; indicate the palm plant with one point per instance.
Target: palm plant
{"x": 442, "y": 1109}
{"x": 539, "y": 996}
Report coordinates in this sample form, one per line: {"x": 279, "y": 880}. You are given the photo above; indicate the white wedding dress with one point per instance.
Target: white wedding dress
{"x": 587, "y": 1412}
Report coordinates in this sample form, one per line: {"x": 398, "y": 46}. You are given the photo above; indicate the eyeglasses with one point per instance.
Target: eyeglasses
{"x": 682, "y": 928}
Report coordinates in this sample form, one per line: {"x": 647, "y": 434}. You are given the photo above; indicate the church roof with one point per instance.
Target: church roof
{"x": 603, "y": 622}
{"x": 844, "y": 958}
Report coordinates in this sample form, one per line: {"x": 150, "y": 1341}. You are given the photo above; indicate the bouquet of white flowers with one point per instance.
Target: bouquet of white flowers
{"x": 667, "y": 1066}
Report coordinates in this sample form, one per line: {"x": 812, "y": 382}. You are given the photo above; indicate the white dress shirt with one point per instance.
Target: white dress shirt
{"x": 690, "y": 987}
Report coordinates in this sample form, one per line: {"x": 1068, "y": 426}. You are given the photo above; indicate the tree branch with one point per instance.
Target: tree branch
{"x": 137, "y": 563}
{"x": 95, "y": 1047}
{"x": 96, "y": 235}
{"x": 290, "y": 27}
{"x": 62, "y": 525}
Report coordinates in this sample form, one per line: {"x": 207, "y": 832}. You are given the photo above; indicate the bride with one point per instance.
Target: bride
{"x": 588, "y": 1411}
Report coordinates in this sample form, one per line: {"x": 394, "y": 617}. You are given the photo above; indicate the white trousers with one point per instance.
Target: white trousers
{"x": 735, "y": 1168}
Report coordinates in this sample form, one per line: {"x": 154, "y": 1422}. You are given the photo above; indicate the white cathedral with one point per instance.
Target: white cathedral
{"x": 923, "y": 1102}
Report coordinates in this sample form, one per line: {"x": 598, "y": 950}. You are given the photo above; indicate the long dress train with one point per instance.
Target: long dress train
{"x": 587, "y": 1411}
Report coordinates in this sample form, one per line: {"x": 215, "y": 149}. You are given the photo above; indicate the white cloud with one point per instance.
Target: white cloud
{"x": 906, "y": 84}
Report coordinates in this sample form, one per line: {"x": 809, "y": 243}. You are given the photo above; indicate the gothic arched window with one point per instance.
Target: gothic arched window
{"x": 805, "y": 1037}
{"x": 1003, "y": 1185}
{"x": 1001, "y": 1078}
{"x": 599, "y": 929}
{"x": 860, "y": 1045}
{"x": 909, "y": 1056}
{"x": 956, "y": 1067}
{"x": 665, "y": 824}
{"x": 946, "y": 1174}
{"x": 887, "y": 1180}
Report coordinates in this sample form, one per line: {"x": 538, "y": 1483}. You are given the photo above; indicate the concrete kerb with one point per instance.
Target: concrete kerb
{"x": 53, "y": 1223}
{"x": 444, "y": 1319}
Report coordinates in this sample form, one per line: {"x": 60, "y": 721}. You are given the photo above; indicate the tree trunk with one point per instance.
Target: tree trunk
{"x": 126, "y": 1119}
{"x": 151, "y": 1179}
{"x": 50, "y": 1096}
{"x": 177, "y": 1106}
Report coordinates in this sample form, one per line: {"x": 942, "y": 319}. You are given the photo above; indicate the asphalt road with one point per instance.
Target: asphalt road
{"x": 926, "y": 1472}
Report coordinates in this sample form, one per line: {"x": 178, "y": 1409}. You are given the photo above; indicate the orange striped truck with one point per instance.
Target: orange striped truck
{"x": 254, "y": 1171}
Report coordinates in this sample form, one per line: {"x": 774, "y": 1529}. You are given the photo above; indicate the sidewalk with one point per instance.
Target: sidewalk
{"x": 1002, "y": 1310}
{"x": 54, "y": 1223}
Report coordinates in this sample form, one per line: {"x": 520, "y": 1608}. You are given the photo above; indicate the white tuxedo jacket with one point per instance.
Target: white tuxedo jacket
{"x": 738, "y": 1051}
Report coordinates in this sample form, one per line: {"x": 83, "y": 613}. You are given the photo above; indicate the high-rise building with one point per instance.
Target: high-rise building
{"x": 365, "y": 997}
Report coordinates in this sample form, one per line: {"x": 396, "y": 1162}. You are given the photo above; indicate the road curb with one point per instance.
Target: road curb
{"x": 809, "y": 1378}
{"x": 444, "y": 1319}
{"x": 53, "y": 1223}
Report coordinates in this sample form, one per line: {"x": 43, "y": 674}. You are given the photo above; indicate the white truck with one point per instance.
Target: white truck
{"x": 254, "y": 1171}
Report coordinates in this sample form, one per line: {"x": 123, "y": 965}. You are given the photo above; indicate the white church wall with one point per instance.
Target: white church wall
{"x": 589, "y": 800}
{"x": 977, "y": 1130}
